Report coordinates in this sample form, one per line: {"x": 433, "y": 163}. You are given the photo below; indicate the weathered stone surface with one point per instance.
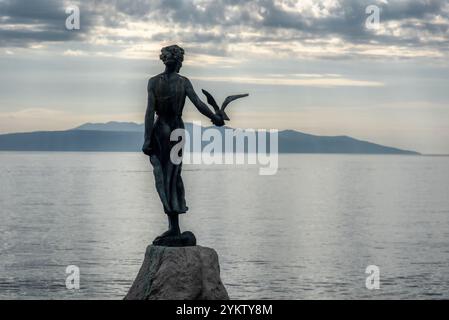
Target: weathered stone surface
{"x": 178, "y": 273}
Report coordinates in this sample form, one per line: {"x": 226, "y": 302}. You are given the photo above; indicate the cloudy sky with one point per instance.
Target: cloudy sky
{"x": 312, "y": 66}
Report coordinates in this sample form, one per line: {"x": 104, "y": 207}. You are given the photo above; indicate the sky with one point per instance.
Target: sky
{"x": 312, "y": 66}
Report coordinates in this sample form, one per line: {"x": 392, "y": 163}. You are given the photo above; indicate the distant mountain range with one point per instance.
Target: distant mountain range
{"x": 128, "y": 137}
{"x": 112, "y": 126}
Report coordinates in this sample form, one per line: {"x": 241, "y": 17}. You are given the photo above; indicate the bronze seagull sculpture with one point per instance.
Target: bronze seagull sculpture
{"x": 228, "y": 100}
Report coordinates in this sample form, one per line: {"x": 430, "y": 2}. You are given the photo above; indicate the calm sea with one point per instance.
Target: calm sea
{"x": 307, "y": 232}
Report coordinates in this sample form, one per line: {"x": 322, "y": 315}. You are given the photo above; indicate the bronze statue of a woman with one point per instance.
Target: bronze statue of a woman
{"x": 167, "y": 93}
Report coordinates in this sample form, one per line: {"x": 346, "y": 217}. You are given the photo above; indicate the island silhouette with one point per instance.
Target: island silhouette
{"x": 128, "y": 137}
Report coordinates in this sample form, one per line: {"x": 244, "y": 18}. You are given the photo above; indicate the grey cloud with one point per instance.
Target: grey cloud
{"x": 347, "y": 21}
{"x": 31, "y": 11}
{"x": 37, "y": 21}
{"x": 22, "y": 38}
{"x": 418, "y": 9}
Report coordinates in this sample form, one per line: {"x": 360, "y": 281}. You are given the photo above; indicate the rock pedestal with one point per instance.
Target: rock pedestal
{"x": 178, "y": 273}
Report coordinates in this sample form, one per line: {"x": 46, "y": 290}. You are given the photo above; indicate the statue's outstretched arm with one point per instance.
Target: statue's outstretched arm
{"x": 149, "y": 119}
{"x": 200, "y": 105}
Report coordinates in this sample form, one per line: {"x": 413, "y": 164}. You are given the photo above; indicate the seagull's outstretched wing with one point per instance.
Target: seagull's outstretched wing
{"x": 229, "y": 99}
{"x": 211, "y": 100}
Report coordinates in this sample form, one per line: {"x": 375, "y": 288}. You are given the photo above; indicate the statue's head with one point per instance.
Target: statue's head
{"x": 172, "y": 56}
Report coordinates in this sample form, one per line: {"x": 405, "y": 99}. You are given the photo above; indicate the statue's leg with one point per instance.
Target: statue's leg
{"x": 173, "y": 228}
{"x": 173, "y": 224}
{"x": 159, "y": 181}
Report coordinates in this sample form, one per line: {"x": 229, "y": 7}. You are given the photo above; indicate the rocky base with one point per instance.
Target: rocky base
{"x": 186, "y": 239}
{"x": 178, "y": 273}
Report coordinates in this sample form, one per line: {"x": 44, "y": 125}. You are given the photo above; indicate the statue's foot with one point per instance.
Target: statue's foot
{"x": 186, "y": 239}
{"x": 169, "y": 233}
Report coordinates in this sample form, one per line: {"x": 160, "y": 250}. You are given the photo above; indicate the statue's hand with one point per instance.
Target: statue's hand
{"x": 147, "y": 148}
{"x": 218, "y": 120}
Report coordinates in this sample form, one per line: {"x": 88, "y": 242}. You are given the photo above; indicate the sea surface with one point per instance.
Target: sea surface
{"x": 308, "y": 232}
